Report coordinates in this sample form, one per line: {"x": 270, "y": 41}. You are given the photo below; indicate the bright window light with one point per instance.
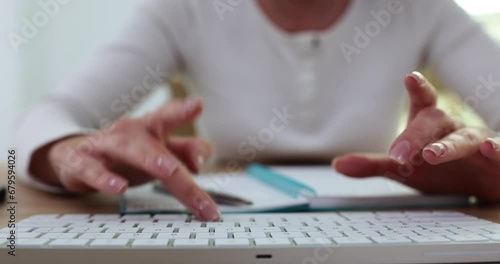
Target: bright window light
{"x": 480, "y": 7}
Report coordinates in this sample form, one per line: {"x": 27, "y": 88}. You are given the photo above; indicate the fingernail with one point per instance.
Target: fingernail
{"x": 494, "y": 144}
{"x": 437, "y": 148}
{"x": 400, "y": 152}
{"x": 200, "y": 160}
{"x": 208, "y": 211}
{"x": 166, "y": 165}
{"x": 117, "y": 184}
{"x": 191, "y": 103}
{"x": 419, "y": 77}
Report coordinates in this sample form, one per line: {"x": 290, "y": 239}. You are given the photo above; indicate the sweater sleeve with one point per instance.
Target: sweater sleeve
{"x": 139, "y": 58}
{"x": 463, "y": 56}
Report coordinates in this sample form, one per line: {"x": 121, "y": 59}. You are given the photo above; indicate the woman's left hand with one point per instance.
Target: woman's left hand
{"x": 434, "y": 154}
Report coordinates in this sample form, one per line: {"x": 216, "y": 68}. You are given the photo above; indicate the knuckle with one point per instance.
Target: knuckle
{"x": 434, "y": 112}
{"x": 419, "y": 137}
{"x": 467, "y": 135}
{"x": 452, "y": 143}
{"x": 121, "y": 143}
{"x": 126, "y": 125}
{"x": 437, "y": 115}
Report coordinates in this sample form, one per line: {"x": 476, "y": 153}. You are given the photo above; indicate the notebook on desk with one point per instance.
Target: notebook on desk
{"x": 292, "y": 188}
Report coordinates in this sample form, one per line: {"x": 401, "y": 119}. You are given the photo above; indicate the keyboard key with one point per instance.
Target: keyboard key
{"x": 289, "y": 224}
{"x": 59, "y": 235}
{"x": 221, "y": 224}
{"x": 69, "y": 243}
{"x": 75, "y": 217}
{"x": 37, "y": 224}
{"x": 149, "y": 243}
{"x": 158, "y": 230}
{"x": 494, "y": 237}
{"x": 120, "y": 225}
{"x": 173, "y": 235}
{"x": 18, "y": 230}
{"x": 28, "y": 235}
{"x": 172, "y": 217}
{"x": 249, "y": 235}
{"x": 348, "y": 241}
{"x": 135, "y": 235}
{"x": 191, "y": 243}
{"x": 97, "y": 235}
{"x": 50, "y": 230}
{"x": 109, "y": 243}
{"x": 335, "y": 228}
{"x": 211, "y": 235}
{"x": 86, "y": 225}
{"x": 190, "y": 224}
{"x": 98, "y": 217}
{"x": 31, "y": 242}
{"x": 194, "y": 230}
{"x": 468, "y": 238}
{"x": 300, "y": 229}
{"x": 362, "y": 234}
{"x": 136, "y": 217}
{"x": 86, "y": 230}
{"x": 229, "y": 229}
{"x": 391, "y": 240}
{"x": 254, "y": 224}
{"x": 264, "y": 229}
{"x": 429, "y": 239}
{"x": 272, "y": 242}
{"x": 325, "y": 234}
{"x": 287, "y": 234}
{"x": 494, "y": 230}
{"x": 123, "y": 230}
{"x": 232, "y": 242}
{"x": 312, "y": 241}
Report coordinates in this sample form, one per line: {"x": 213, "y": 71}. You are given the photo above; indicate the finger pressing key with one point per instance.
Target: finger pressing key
{"x": 182, "y": 186}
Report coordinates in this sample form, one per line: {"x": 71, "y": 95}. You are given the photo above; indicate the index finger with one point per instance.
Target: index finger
{"x": 181, "y": 185}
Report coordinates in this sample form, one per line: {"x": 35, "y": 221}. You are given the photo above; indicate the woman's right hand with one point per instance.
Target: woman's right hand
{"x": 132, "y": 152}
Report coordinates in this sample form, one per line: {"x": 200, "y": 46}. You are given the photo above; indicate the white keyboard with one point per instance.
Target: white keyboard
{"x": 250, "y": 230}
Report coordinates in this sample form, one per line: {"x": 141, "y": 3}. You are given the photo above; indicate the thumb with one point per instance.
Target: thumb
{"x": 172, "y": 115}
{"x": 364, "y": 165}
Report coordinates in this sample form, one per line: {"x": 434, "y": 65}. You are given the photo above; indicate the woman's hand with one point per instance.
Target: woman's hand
{"x": 434, "y": 154}
{"x": 131, "y": 152}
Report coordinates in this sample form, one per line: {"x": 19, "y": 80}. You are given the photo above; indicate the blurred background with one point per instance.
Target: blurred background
{"x": 66, "y": 41}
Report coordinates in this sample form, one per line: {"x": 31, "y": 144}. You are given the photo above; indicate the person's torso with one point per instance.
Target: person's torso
{"x": 270, "y": 94}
